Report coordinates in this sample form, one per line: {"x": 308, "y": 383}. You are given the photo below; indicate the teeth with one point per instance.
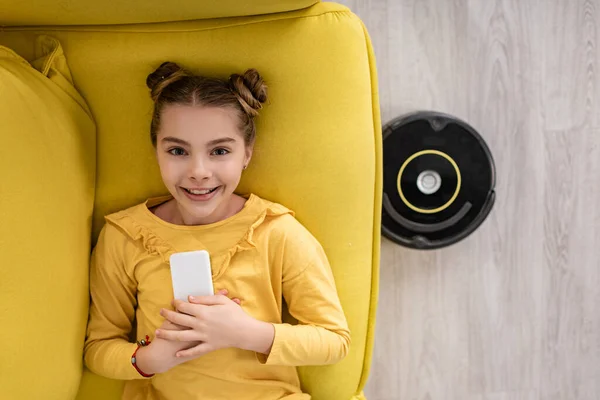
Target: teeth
{"x": 207, "y": 191}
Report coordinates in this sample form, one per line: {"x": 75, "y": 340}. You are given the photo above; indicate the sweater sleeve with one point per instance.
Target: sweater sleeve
{"x": 108, "y": 350}
{"x": 322, "y": 335}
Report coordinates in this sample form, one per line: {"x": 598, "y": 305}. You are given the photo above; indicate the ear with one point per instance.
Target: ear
{"x": 248, "y": 156}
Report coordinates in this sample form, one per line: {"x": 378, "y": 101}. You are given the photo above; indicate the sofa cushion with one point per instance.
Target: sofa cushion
{"x": 92, "y": 12}
{"x": 47, "y": 164}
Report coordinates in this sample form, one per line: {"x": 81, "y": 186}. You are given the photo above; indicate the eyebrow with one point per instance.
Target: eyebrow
{"x": 211, "y": 143}
{"x": 175, "y": 140}
{"x": 221, "y": 141}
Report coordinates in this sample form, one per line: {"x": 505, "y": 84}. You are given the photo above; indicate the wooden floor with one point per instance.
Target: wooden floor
{"x": 513, "y": 311}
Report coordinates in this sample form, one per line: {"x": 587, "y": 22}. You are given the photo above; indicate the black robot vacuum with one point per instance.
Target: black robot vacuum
{"x": 438, "y": 180}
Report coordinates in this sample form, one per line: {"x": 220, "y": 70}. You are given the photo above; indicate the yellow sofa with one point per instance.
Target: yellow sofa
{"x": 75, "y": 146}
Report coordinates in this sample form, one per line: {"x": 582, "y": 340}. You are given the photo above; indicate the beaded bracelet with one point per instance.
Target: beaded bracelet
{"x": 140, "y": 343}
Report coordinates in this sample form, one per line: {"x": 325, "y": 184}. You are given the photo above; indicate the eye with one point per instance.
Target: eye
{"x": 220, "y": 152}
{"x": 176, "y": 151}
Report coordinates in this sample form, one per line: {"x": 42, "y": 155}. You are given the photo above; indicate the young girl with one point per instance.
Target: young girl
{"x": 210, "y": 347}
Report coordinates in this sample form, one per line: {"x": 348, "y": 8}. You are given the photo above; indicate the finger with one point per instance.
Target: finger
{"x": 179, "y": 318}
{"x": 223, "y": 292}
{"x": 196, "y": 351}
{"x": 171, "y": 326}
{"x": 188, "y": 335}
{"x": 194, "y": 300}
{"x": 209, "y": 300}
{"x": 192, "y": 309}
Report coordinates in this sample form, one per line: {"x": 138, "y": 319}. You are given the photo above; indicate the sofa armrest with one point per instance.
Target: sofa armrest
{"x": 96, "y": 12}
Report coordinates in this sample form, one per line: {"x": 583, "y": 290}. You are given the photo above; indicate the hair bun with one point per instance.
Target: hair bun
{"x": 163, "y": 76}
{"x": 250, "y": 89}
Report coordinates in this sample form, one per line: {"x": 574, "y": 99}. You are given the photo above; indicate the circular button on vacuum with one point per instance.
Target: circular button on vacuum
{"x": 429, "y": 182}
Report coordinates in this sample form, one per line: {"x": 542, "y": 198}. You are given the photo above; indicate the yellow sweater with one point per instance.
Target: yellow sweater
{"x": 262, "y": 255}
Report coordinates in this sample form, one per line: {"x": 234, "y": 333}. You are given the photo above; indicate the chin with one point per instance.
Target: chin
{"x": 201, "y": 210}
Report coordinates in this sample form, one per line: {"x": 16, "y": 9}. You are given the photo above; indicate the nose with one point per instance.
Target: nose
{"x": 199, "y": 169}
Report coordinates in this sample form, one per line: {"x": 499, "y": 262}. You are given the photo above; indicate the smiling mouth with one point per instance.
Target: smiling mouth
{"x": 199, "y": 192}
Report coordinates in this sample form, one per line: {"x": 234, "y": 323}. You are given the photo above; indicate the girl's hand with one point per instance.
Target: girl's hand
{"x": 159, "y": 355}
{"x": 168, "y": 325}
{"x": 217, "y": 322}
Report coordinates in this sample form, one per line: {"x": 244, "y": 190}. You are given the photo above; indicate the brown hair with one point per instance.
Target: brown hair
{"x": 171, "y": 84}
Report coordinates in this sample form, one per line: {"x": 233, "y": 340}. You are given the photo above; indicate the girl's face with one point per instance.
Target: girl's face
{"x": 201, "y": 155}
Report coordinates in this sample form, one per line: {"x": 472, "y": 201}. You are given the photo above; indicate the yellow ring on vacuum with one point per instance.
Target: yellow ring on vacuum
{"x": 458, "y": 181}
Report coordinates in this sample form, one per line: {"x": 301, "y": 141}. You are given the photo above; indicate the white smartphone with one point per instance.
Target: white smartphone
{"x": 191, "y": 274}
